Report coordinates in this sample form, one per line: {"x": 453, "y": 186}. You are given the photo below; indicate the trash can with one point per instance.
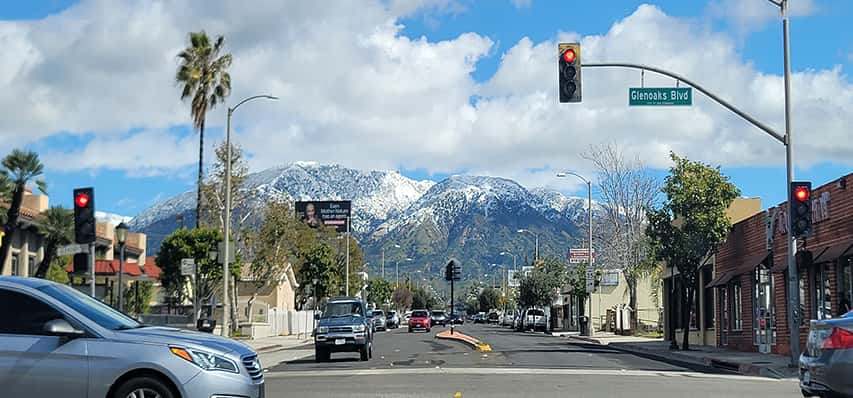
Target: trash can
{"x": 584, "y": 324}
{"x": 206, "y": 325}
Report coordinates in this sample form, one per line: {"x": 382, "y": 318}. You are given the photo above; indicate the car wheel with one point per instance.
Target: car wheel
{"x": 428, "y": 329}
{"x": 143, "y": 387}
{"x": 364, "y": 351}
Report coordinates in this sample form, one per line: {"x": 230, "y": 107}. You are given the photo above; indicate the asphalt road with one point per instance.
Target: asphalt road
{"x": 520, "y": 365}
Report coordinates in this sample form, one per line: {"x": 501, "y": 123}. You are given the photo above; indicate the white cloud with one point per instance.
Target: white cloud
{"x": 522, "y": 3}
{"x": 752, "y": 15}
{"x": 356, "y": 91}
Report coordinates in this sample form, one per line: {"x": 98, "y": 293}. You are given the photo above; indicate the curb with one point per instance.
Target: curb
{"x": 470, "y": 341}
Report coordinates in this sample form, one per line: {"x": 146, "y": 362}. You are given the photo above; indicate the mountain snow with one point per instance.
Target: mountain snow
{"x": 111, "y": 218}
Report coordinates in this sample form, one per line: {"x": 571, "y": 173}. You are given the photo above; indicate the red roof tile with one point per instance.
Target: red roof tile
{"x": 110, "y": 267}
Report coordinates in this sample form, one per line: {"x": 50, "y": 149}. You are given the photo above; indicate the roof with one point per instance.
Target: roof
{"x": 111, "y": 267}
{"x": 34, "y": 283}
{"x": 344, "y": 299}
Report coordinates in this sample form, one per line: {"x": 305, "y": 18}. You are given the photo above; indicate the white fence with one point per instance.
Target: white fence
{"x": 283, "y": 323}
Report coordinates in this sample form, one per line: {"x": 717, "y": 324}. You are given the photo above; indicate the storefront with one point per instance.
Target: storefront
{"x": 751, "y": 268}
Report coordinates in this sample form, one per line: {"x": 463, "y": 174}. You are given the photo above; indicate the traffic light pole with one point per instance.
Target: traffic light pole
{"x": 792, "y": 285}
{"x": 92, "y": 269}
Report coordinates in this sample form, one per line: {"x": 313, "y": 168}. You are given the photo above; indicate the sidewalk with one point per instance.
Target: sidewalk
{"x": 745, "y": 363}
{"x": 277, "y": 343}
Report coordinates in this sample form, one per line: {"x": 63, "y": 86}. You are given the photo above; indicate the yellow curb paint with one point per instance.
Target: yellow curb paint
{"x": 457, "y": 395}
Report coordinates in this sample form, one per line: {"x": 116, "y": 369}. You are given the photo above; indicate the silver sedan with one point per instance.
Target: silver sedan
{"x": 827, "y": 362}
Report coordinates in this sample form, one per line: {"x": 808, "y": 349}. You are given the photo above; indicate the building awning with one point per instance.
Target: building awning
{"x": 751, "y": 263}
{"x": 721, "y": 279}
{"x": 833, "y": 252}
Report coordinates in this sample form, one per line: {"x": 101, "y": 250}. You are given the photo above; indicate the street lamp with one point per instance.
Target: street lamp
{"x": 397, "y": 269}
{"x": 514, "y": 259}
{"x": 121, "y": 237}
{"x": 589, "y": 215}
{"x": 382, "y": 271}
{"x": 226, "y": 248}
{"x": 535, "y": 235}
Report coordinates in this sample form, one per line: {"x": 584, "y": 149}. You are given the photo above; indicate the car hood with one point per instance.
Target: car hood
{"x": 183, "y": 337}
{"x": 418, "y": 318}
{"x": 341, "y": 321}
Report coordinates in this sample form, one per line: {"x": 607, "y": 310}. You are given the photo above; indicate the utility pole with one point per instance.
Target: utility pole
{"x": 346, "y": 288}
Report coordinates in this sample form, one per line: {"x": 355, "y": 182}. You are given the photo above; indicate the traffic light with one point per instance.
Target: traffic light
{"x": 801, "y": 208}
{"x": 569, "y": 65}
{"x": 448, "y": 272}
{"x": 453, "y": 271}
{"x": 84, "y": 215}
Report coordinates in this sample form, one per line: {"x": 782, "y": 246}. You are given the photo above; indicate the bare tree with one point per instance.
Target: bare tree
{"x": 627, "y": 190}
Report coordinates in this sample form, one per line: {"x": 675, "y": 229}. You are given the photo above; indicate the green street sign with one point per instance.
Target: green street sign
{"x": 660, "y": 96}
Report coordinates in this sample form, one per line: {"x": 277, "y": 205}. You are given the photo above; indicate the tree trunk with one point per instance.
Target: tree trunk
{"x": 200, "y": 174}
{"x": 11, "y": 227}
{"x": 688, "y": 308}
{"x": 673, "y": 297}
{"x": 234, "y": 324}
{"x": 632, "y": 302}
{"x": 49, "y": 254}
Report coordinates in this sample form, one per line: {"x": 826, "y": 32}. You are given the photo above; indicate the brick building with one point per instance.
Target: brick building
{"x": 751, "y": 268}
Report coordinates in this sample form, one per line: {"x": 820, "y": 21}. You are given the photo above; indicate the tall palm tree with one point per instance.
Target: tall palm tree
{"x": 57, "y": 229}
{"x": 19, "y": 168}
{"x": 204, "y": 75}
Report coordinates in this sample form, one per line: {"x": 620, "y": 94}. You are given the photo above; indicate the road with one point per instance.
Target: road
{"x": 520, "y": 365}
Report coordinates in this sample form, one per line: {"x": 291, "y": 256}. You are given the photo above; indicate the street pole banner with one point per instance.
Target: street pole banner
{"x": 578, "y": 256}
{"x": 325, "y": 213}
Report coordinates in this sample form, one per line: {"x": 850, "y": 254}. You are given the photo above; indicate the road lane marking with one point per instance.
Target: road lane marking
{"x": 514, "y": 371}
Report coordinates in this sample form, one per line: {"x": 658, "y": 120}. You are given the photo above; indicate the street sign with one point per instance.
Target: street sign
{"x": 512, "y": 278}
{"x": 590, "y": 280}
{"x": 578, "y": 256}
{"x": 187, "y": 266}
{"x": 660, "y": 96}
{"x": 72, "y": 249}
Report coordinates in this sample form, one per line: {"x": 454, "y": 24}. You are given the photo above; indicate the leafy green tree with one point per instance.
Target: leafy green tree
{"x": 57, "y": 229}
{"x": 56, "y": 272}
{"x": 137, "y": 298}
{"x": 472, "y": 306}
{"x": 203, "y": 73}
{"x": 196, "y": 244}
{"x": 489, "y": 299}
{"x": 421, "y": 299}
{"x": 19, "y": 169}
{"x": 318, "y": 263}
{"x": 541, "y": 286}
{"x": 690, "y": 225}
{"x": 402, "y": 297}
{"x": 378, "y": 291}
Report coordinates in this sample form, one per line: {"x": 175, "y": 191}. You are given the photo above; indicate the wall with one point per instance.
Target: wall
{"x": 607, "y": 297}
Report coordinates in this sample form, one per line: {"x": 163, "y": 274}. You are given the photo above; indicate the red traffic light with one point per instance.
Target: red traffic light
{"x": 569, "y": 55}
{"x": 81, "y": 200}
{"x": 801, "y": 194}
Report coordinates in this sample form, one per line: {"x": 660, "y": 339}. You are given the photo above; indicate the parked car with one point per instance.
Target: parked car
{"x": 406, "y": 316}
{"x": 420, "y": 320}
{"x": 534, "y": 319}
{"x": 507, "y": 319}
{"x": 54, "y": 337}
{"x": 392, "y": 320}
{"x": 457, "y": 319}
{"x": 827, "y": 361}
{"x": 379, "y": 320}
{"x": 438, "y": 317}
{"x": 343, "y": 327}
{"x": 493, "y": 318}
{"x": 480, "y": 318}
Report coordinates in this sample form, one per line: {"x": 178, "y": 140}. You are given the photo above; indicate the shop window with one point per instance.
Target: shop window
{"x": 15, "y": 265}
{"x": 708, "y": 303}
{"x": 801, "y": 283}
{"x": 694, "y": 307}
{"x": 737, "y": 306}
{"x": 32, "y": 264}
{"x": 823, "y": 293}
{"x": 845, "y": 285}
{"x": 725, "y": 308}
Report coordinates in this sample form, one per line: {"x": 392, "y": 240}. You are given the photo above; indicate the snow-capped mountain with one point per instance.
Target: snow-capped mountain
{"x": 472, "y": 217}
{"x": 111, "y": 218}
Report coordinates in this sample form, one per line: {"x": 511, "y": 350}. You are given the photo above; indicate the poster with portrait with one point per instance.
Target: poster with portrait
{"x": 328, "y": 213}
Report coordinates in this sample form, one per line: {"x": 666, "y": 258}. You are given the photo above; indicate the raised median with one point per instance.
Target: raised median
{"x": 464, "y": 338}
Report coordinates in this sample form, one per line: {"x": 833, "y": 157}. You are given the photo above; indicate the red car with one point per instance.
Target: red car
{"x": 419, "y": 320}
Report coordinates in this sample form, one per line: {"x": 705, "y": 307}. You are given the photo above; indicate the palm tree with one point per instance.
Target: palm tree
{"x": 19, "y": 168}
{"x": 204, "y": 75}
{"x": 57, "y": 229}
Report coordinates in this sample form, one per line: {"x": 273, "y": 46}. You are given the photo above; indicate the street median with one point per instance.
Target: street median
{"x": 464, "y": 338}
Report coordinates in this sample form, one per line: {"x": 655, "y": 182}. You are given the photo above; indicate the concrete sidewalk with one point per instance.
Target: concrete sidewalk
{"x": 277, "y": 343}
{"x": 745, "y": 363}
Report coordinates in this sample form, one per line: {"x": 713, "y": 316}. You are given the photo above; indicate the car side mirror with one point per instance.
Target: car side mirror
{"x": 61, "y": 328}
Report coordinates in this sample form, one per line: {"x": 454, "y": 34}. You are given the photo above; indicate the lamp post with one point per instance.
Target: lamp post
{"x": 536, "y": 236}
{"x": 397, "y": 270}
{"x": 121, "y": 237}
{"x": 514, "y": 259}
{"x": 227, "y": 245}
{"x": 589, "y": 221}
{"x": 214, "y": 256}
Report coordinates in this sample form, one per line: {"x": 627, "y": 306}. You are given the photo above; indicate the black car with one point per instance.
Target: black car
{"x": 457, "y": 319}
{"x": 438, "y": 317}
{"x": 494, "y": 318}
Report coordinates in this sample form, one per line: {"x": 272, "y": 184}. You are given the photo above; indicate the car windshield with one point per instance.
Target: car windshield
{"x": 438, "y": 313}
{"x": 535, "y": 312}
{"x": 339, "y": 309}
{"x": 96, "y": 311}
{"x": 378, "y": 313}
{"x": 420, "y": 314}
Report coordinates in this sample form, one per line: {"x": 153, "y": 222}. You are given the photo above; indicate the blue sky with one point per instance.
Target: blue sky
{"x": 821, "y": 40}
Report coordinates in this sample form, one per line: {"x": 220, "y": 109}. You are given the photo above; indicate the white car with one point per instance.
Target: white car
{"x": 406, "y": 316}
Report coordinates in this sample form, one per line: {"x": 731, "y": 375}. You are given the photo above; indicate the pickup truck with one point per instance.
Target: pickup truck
{"x": 343, "y": 327}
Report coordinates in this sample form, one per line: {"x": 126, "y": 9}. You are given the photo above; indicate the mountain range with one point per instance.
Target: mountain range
{"x": 472, "y": 218}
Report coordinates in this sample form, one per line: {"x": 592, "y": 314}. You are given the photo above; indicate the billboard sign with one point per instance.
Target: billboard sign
{"x": 578, "y": 256}
{"x": 325, "y": 213}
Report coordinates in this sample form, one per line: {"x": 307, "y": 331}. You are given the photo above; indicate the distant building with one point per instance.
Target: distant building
{"x": 27, "y": 245}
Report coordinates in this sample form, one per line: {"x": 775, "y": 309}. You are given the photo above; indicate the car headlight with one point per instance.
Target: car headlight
{"x": 358, "y": 328}
{"x": 206, "y": 360}
{"x": 322, "y": 329}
